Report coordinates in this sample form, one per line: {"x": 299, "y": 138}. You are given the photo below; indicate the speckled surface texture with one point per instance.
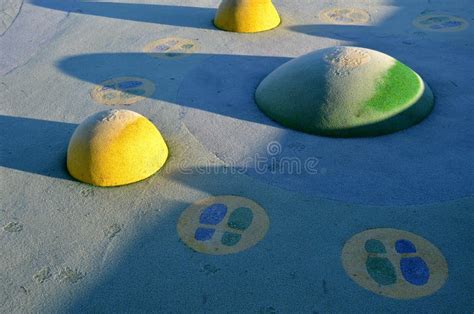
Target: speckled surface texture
{"x": 69, "y": 247}
{"x": 8, "y": 11}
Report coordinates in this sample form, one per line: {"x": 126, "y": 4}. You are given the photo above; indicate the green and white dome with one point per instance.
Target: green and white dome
{"x": 346, "y": 92}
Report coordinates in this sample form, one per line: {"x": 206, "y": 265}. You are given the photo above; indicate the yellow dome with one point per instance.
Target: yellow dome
{"x": 115, "y": 147}
{"x": 246, "y": 16}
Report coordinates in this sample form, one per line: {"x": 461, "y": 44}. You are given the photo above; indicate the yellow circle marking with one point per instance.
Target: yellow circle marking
{"x": 345, "y": 16}
{"x": 124, "y": 90}
{"x": 440, "y": 23}
{"x": 223, "y": 225}
{"x": 171, "y": 47}
{"x": 369, "y": 269}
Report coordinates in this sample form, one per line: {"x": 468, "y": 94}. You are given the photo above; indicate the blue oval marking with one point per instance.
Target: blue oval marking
{"x": 204, "y": 234}
{"x": 129, "y": 84}
{"x": 415, "y": 270}
{"x": 213, "y": 214}
{"x": 405, "y": 246}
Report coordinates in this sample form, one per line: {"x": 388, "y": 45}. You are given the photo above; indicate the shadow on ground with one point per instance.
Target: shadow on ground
{"x": 35, "y": 146}
{"x": 295, "y": 268}
{"x": 182, "y": 16}
{"x": 224, "y": 86}
{"x": 157, "y": 272}
{"x": 219, "y": 84}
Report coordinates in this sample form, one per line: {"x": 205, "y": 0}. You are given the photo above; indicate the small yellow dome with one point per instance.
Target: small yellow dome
{"x": 246, "y": 16}
{"x": 115, "y": 147}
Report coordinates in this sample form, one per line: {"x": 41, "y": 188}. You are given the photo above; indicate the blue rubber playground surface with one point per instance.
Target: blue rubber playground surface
{"x": 246, "y": 216}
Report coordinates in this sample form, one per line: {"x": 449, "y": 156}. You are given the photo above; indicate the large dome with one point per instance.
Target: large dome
{"x": 115, "y": 147}
{"x": 346, "y": 92}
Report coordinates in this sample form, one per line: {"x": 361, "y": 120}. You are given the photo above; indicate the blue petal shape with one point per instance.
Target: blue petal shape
{"x": 213, "y": 214}
{"x": 405, "y": 246}
{"x": 204, "y": 234}
{"x": 129, "y": 84}
{"x": 415, "y": 270}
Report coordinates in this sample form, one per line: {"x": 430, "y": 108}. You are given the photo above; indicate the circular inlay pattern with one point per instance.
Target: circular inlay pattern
{"x": 440, "y": 23}
{"x": 171, "y": 47}
{"x": 122, "y": 91}
{"x": 345, "y": 16}
{"x": 394, "y": 263}
{"x": 223, "y": 225}
{"x": 9, "y": 9}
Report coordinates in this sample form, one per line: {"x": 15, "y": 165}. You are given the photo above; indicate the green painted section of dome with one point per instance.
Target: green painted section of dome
{"x": 345, "y": 92}
{"x": 399, "y": 85}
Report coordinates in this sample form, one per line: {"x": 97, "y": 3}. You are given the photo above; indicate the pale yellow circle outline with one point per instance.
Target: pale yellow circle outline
{"x": 176, "y": 49}
{"x": 121, "y": 97}
{"x": 354, "y": 258}
{"x": 189, "y": 222}
{"x": 325, "y": 16}
{"x": 419, "y": 19}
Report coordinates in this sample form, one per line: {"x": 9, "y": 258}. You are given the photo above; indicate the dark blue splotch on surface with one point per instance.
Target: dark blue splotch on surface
{"x": 204, "y": 234}
{"x": 414, "y": 269}
{"x": 213, "y": 214}
{"x": 129, "y": 84}
{"x": 452, "y": 24}
{"x": 405, "y": 246}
